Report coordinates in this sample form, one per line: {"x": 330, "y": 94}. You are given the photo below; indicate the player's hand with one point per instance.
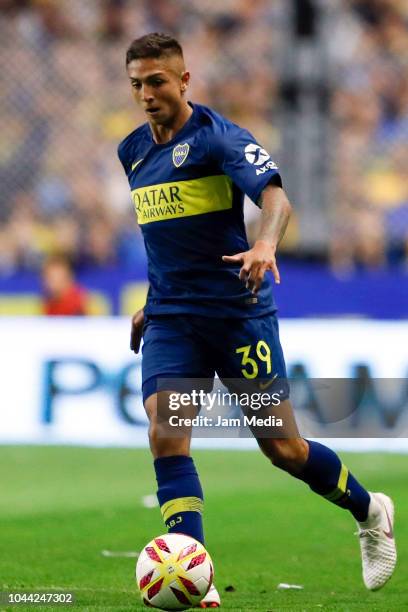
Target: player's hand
{"x": 255, "y": 263}
{"x": 136, "y": 330}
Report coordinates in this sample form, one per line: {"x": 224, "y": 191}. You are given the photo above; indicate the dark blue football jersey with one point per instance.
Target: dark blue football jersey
{"x": 188, "y": 195}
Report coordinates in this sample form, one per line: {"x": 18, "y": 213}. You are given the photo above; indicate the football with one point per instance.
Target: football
{"x": 173, "y": 572}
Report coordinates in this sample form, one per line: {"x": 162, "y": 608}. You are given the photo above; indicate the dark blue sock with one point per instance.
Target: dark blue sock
{"x": 180, "y": 495}
{"x": 327, "y": 475}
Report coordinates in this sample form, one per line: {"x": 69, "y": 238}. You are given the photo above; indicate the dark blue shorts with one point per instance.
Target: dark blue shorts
{"x": 192, "y": 346}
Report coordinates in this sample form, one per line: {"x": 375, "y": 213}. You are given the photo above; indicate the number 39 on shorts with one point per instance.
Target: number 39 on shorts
{"x": 250, "y": 367}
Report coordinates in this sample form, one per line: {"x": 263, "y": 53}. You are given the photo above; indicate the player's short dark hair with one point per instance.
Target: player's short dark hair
{"x": 153, "y": 45}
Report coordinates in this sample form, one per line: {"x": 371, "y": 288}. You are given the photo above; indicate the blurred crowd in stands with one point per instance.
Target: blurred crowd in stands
{"x": 370, "y": 111}
{"x": 66, "y": 103}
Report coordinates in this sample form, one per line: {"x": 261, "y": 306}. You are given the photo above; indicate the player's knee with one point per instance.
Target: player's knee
{"x": 164, "y": 439}
{"x": 287, "y": 454}
{"x": 163, "y": 446}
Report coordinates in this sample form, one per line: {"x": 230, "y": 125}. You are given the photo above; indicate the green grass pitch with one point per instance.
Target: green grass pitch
{"x": 60, "y": 507}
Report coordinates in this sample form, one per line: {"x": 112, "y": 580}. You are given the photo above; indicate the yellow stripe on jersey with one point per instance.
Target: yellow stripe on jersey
{"x": 181, "y": 504}
{"x": 182, "y": 198}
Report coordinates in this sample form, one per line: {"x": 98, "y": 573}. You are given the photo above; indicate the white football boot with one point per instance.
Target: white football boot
{"x": 377, "y": 543}
{"x": 212, "y": 599}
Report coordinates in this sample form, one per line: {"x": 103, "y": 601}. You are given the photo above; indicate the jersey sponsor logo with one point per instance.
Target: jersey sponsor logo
{"x": 157, "y": 202}
{"x": 180, "y": 153}
{"x": 136, "y": 163}
{"x": 270, "y": 165}
{"x": 182, "y": 198}
{"x": 255, "y": 155}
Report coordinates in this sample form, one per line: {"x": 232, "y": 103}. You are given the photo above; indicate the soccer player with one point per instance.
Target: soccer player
{"x": 210, "y": 307}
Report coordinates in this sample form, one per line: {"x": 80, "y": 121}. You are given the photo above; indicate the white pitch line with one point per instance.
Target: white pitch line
{"x": 112, "y": 553}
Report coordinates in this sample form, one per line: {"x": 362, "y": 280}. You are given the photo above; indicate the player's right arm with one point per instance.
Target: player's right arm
{"x": 136, "y": 331}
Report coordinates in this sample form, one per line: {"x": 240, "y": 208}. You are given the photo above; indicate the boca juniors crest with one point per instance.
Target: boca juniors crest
{"x": 180, "y": 153}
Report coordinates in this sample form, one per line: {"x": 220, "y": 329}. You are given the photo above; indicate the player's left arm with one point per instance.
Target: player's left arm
{"x": 261, "y": 257}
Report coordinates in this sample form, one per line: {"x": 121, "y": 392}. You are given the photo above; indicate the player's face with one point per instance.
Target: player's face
{"x": 158, "y": 85}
